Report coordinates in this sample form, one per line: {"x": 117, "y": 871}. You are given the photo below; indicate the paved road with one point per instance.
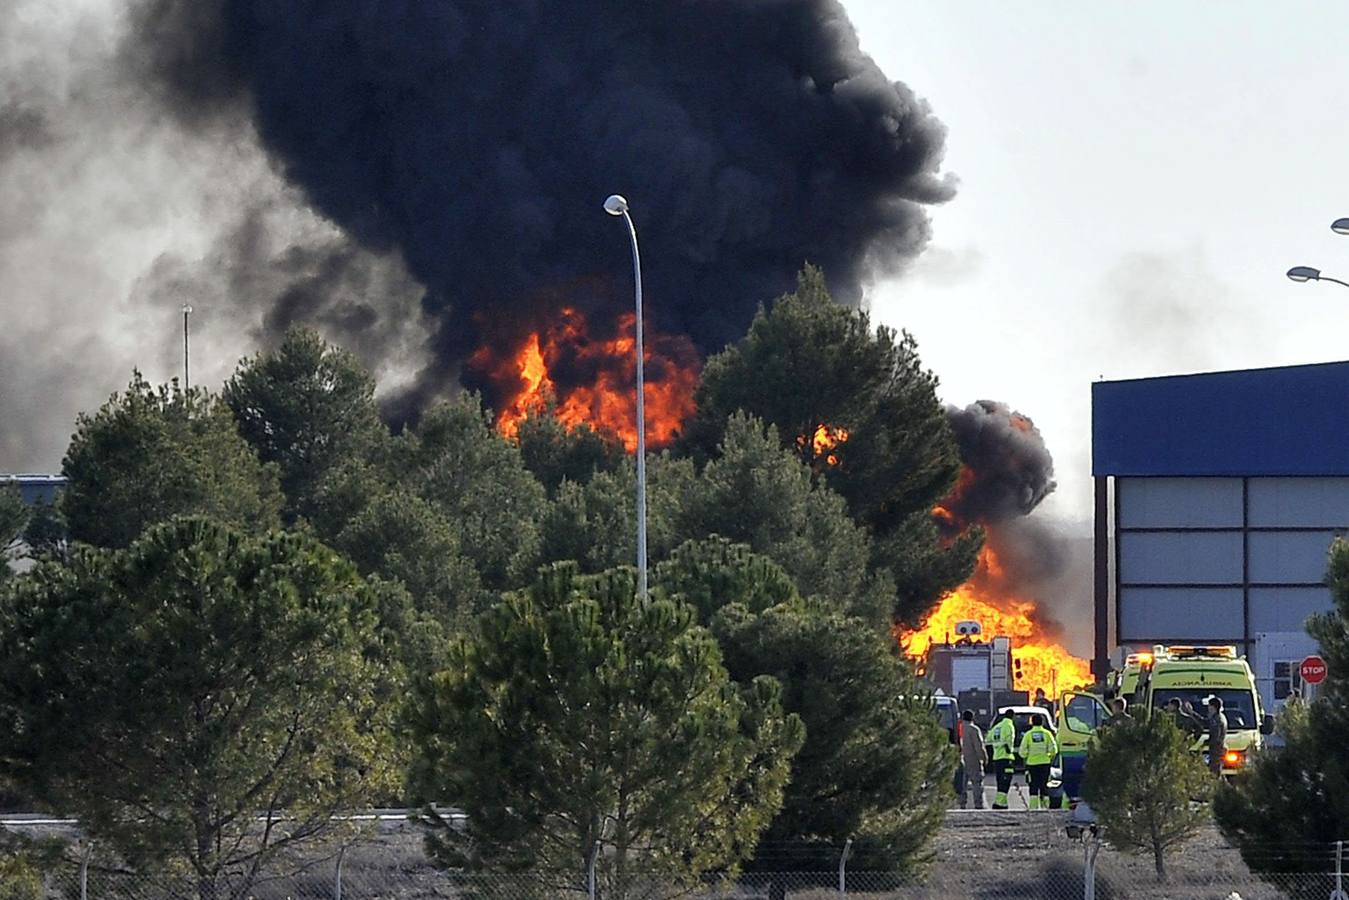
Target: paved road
{"x": 1016, "y": 797}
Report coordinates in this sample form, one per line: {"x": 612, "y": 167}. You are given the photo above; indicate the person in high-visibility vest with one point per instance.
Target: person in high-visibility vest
{"x": 1038, "y": 748}
{"x": 1003, "y": 738}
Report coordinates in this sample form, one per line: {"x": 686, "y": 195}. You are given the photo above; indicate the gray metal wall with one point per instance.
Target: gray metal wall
{"x": 1222, "y": 559}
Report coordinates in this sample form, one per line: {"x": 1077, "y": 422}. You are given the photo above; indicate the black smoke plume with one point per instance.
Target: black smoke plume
{"x": 477, "y": 140}
{"x": 1009, "y": 468}
{"x": 1006, "y": 472}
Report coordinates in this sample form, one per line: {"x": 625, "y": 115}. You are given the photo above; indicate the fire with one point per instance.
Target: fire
{"x": 1044, "y": 661}
{"x": 605, "y": 397}
{"x": 823, "y": 441}
{"x": 947, "y": 512}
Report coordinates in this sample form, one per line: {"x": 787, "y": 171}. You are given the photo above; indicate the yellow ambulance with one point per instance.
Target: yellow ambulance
{"x": 1192, "y": 675}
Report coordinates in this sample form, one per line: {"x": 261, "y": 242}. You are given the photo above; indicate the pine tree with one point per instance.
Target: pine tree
{"x": 856, "y": 407}
{"x": 13, "y": 520}
{"x": 153, "y": 453}
{"x": 582, "y": 719}
{"x": 1148, "y": 790}
{"x": 1289, "y": 808}
{"x": 307, "y": 407}
{"x": 184, "y": 696}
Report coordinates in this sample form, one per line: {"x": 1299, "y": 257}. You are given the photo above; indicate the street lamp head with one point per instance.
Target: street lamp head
{"x": 1340, "y": 226}
{"x": 616, "y": 205}
{"x": 1304, "y": 273}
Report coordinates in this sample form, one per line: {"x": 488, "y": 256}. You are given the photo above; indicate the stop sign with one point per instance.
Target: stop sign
{"x": 1313, "y": 670}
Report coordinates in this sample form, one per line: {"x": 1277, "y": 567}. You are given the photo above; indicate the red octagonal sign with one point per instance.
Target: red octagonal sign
{"x": 1313, "y": 670}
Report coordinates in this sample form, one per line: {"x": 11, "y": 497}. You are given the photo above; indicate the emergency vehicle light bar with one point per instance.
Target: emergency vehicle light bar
{"x": 1226, "y": 652}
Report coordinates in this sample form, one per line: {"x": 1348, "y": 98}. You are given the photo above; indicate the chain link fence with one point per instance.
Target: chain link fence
{"x": 1057, "y": 879}
{"x": 986, "y": 856}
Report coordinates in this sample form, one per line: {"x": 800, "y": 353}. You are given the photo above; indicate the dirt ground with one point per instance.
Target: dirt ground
{"x": 978, "y": 854}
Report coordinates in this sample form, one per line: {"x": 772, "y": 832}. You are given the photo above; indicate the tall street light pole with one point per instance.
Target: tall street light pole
{"x": 187, "y": 311}
{"x": 616, "y": 205}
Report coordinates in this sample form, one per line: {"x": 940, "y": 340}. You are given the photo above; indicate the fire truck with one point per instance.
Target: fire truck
{"x": 980, "y": 674}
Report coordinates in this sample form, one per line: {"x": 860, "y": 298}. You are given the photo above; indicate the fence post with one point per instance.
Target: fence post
{"x": 84, "y": 870}
{"x": 1339, "y": 873}
{"x": 1090, "y": 847}
{"x": 337, "y": 879}
{"x": 843, "y": 867}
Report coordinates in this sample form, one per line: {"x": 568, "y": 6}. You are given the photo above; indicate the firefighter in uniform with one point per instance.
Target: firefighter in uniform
{"x": 1003, "y": 738}
{"x": 1038, "y": 749}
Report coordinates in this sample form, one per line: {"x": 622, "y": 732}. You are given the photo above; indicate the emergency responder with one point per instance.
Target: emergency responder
{"x": 1038, "y": 749}
{"x": 972, "y": 759}
{"x": 1003, "y": 738}
{"x": 1216, "y": 726}
{"x": 1187, "y": 722}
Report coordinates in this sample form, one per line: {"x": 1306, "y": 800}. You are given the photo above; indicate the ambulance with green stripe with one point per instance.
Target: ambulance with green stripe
{"x": 1193, "y": 675}
{"x": 1148, "y": 682}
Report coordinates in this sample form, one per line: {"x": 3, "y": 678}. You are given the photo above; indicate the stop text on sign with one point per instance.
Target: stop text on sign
{"x": 1313, "y": 670}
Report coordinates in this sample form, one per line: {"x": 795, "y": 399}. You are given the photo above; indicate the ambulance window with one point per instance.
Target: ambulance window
{"x": 1082, "y": 714}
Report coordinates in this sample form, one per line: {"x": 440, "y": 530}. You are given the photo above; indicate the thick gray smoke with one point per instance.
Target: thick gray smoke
{"x": 1009, "y": 467}
{"x": 1006, "y": 472}
{"x": 477, "y": 140}
{"x": 112, "y": 215}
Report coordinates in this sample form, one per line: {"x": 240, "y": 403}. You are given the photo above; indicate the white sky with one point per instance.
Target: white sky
{"x": 1135, "y": 180}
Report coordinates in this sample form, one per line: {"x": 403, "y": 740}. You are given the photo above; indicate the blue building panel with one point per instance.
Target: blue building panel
{"x": 34, "y": 488}
{"x": 1292, "y": 420}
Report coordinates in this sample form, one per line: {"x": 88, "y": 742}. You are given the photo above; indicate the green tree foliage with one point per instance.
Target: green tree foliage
{"x": 477, "y": 480}
{"x": 46, "y": 533}
{"x": 306, "y": 406}
{"x": 582, "y": 719}
{"x": 809, "y": 363}
{"x": 19, "y": 879}
{"x": 875, "y": 766}
{"x": 171, "y": 693}
{"x": 555, "y": 453}
{"x": 1149, "y": 791}
{"x": 595, "y": 523}
{"x": 715, "y": 572}
{"x": 924, "y": 565}
{"x": 13, "y": 521}
{"x": 758, "y": 494}
{"x": 152, "y": 453}
{"x": 399, "y": 535}
{"x": 1289, "y": 807}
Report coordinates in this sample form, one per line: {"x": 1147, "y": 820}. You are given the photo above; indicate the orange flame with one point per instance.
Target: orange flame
{"x": 1045, "y": 663}
{"x": 823, "y": 441}
{"x": 608, "y": 401}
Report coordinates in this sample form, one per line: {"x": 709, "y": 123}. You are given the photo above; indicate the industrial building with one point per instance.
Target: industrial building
{"x": 34, "y": 488}
{"x": 1217, "y": 498}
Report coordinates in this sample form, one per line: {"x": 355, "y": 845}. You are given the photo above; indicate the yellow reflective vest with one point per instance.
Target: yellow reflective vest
{"x": 1038, "y": 747}
{"x": 1002, "y": 736}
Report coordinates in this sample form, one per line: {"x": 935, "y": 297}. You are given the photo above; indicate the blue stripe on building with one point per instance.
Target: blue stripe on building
{"x": 1291, "y": 420}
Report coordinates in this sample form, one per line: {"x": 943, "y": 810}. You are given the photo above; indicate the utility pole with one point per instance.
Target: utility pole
{"x": 187, "y": 311}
